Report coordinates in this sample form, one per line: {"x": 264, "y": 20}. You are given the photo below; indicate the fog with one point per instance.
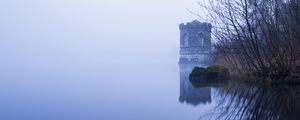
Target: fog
{"x": 92, "y": 59}
{"x": 79, "y": 31}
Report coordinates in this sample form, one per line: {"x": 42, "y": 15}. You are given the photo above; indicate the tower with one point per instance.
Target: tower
{"x": 195, "y": 42}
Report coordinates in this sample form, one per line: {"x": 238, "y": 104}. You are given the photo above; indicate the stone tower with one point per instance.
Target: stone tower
{"x": 195, "y": 42}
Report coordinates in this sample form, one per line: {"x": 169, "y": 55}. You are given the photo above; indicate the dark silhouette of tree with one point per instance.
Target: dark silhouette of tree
{"x": 257, "y": 36}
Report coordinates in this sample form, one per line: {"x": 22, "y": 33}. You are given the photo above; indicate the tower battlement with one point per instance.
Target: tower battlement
{"x": 195, "y": 25}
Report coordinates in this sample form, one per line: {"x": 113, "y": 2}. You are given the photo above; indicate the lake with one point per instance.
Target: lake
{"x": 112, "y": 91}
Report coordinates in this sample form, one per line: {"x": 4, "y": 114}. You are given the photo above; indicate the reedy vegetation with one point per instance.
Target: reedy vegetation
{"x": 256, "y": 36}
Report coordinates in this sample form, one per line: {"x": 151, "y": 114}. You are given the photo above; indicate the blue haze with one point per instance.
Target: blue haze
{"x": 92, "y": 60}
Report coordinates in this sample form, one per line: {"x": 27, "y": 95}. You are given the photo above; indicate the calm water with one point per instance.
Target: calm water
{"x": 108, "y": 91}
{"x": 112, "y": 91}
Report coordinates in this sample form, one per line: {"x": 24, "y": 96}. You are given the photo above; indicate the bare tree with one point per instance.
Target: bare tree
{"x": 257, "y": 36}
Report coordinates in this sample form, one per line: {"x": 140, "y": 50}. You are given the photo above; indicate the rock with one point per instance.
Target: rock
{"x": 199, "y": 71}
{"x": 218, "y": 73}
{"x": 211, "y": 76}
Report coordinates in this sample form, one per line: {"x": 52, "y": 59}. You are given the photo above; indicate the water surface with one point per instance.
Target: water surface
{"x": 104, "y": 91}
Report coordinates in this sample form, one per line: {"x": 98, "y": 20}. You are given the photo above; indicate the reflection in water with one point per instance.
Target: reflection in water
{"x": 188, "y": 93}
{"x": 241, "y": 101}
{"x": 254, "y": 102}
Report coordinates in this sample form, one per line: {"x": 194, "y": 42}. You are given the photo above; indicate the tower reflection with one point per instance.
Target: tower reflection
{"x": 188, "y": 93}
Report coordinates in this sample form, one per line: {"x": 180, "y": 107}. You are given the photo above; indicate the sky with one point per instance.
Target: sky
{"x": 80, "y": 31}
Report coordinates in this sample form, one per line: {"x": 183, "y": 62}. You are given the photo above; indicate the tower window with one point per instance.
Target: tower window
{"x": 186, "y": 40}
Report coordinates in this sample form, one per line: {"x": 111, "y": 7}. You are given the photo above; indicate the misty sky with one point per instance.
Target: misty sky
{"x": 50, "y": 31}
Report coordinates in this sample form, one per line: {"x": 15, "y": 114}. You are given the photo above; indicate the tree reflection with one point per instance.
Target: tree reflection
{"x": 254, "y": 102}
{"x": 241, "y": 101}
